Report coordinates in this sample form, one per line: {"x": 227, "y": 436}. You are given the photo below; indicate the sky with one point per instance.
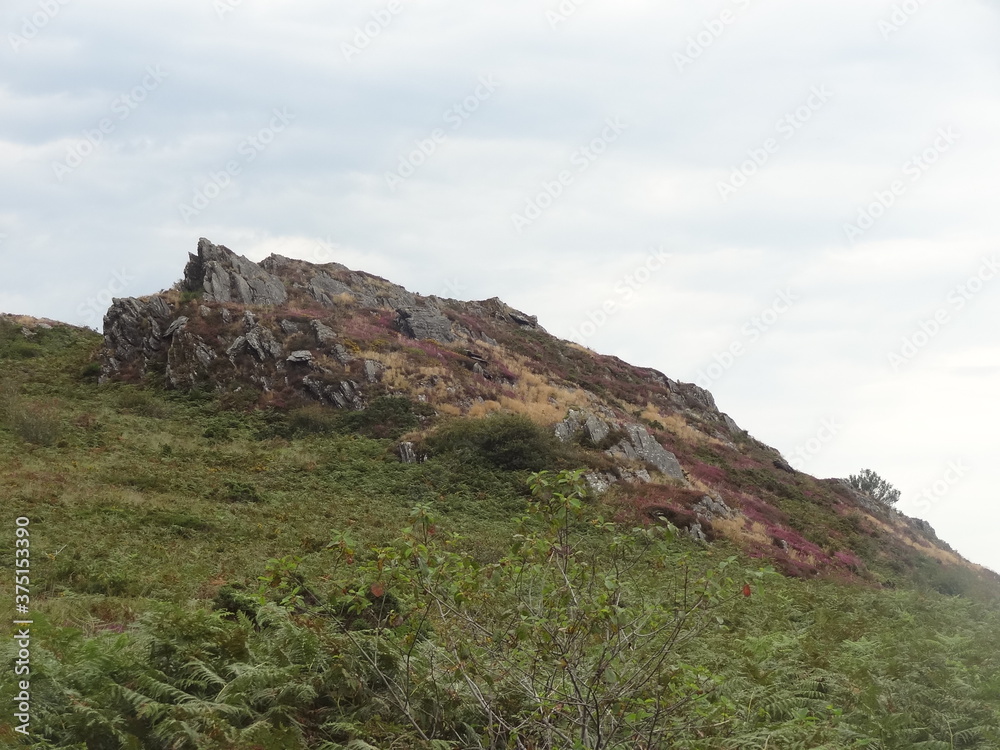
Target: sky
{"x": 792, "y": 204}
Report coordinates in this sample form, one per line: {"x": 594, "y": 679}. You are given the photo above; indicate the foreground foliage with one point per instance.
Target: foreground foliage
{"x": 583, "y": 635}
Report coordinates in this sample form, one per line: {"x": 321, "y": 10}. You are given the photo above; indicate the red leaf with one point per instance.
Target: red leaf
{"x": 377, "y": 590}
{"x": 746, "y": 589}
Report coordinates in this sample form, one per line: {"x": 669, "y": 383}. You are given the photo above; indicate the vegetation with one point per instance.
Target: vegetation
{"x": 877, "y": 488}
{"x": 279, "y": 579}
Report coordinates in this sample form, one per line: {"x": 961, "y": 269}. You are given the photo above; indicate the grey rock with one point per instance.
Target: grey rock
{"x": 342, "y": 355}
{"x": 324, "y": 334}
{"x": 249, "y": 321}
{"x": 373, "y": 369}
{"x": 176, "y": 326}
{"x": 711, "y": 508}
{"x": 44, "y": 326}
{"x": 424, "y": 321}
{"x": 227, "y": 316}
{"x": 734, "y": 429}
{"x": 302, "y": 356}
{"x": 596, "y": 429}
{"x": 288, "y": 327}
{"x": 641, "y": 446}
{"x": 27, "y": 333}
{"x": 224, "y": 276}
{"x": 205, "y": 311}
{"x": 188, "y": 359}
{"x": 263, "y": 344}
{"x": 133, "y": 335}
{"x": 599, "y": 482}
{"x": 783, "y": 465}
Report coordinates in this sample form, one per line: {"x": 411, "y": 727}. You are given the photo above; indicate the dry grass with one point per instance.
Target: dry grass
{"x": 742, "y": 531}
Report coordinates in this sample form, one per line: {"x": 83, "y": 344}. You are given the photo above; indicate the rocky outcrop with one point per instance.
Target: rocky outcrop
{"x": 636, "y": 445}
{"x": 423, "y": 320}
{"x": 224, "y": 276}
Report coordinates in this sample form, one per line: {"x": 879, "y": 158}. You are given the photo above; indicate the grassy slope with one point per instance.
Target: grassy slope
{"x": 138, "y": 496}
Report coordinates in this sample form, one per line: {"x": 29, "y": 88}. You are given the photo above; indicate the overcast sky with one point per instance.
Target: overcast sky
{"x": 791, "y": 203}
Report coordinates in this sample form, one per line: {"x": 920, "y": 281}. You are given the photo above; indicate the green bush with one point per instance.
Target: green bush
{"x": 506, "y": 441}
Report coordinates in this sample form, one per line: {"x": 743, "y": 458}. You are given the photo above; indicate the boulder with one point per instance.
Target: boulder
{"x": 424, "y": 321}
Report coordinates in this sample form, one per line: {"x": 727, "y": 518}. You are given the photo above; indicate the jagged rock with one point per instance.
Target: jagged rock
{"x": 423, "y": 321}
{"x": 713, "y": 507}
{"x": 303, "y": 356}
{"x": 227, "y": 317}
{"x": 188, "y": 359}
{"x": 133, "y": 331}
{"x": 406, "y": 453}
{"x": 176, "y": 326}
{"x": 204, "y": 311}
{"x": 224, "y": 276}
{"x": 373, "y": 370}
{"x": 595, "y": 429}
{"x": 27, "y": 333}
{"x": 734, "y": 429}
{"x": 288, "y": 327}
{"x": 249, "y": 321}
{"x": 783, "y": 465}
{"x": 342, "y": 355}
{"x": 324, "y": 334}
{"x": 642, "y": 446}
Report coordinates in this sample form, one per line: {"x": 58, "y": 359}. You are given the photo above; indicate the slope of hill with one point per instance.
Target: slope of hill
{"x": 241, "y": 499}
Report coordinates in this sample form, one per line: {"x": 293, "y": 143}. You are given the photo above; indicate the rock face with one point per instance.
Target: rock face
{"x": 224, "y": 276}
{"x": 636, "y": 445}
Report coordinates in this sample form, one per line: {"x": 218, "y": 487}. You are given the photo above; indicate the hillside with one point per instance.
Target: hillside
{"x": 242, "y": 498}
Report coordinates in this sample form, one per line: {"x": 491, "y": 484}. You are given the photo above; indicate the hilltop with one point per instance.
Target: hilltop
{"x": 285, "y": 505}
{"x": 285, "y": 334}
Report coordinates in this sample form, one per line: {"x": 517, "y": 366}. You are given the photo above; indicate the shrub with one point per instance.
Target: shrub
{"x": 877, "y": 488}
{"x": 506, "y": 441}
{"x": 385, "y": 417}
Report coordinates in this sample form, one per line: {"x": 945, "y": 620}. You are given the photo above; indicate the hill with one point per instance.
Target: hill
{"x": 241, "y": 499}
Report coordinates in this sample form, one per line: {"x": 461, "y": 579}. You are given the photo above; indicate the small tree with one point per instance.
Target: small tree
{"x": 559, "y": 644}
{"x": 877, "y": 488}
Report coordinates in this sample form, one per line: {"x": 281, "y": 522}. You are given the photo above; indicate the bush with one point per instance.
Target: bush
{"x": 386, "y": 417}
{"x": 877, "y": 488}
{"x": 506, "y": 441}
